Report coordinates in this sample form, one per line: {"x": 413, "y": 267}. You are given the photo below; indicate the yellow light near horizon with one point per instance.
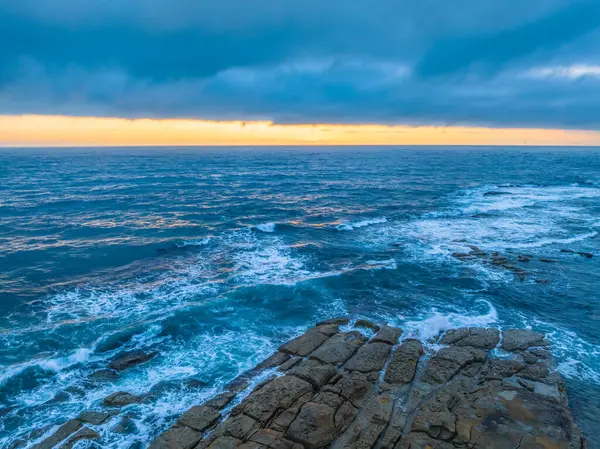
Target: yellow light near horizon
{"x": 41, "y": 130}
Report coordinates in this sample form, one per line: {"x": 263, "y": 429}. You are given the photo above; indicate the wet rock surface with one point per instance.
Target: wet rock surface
{"x": 329, "y": 388}
{"x": 121, "y": 399}
{"x": 68, "y": 428}
{"x": 580, "y": 253}
{"x": 342, "y": 390}
{"x": 128, "y": 360}
{"x": 104, "y": 375}
{"x": 94, "y": 417}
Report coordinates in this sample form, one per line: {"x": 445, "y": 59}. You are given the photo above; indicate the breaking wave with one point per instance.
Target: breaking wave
{"x": 361, "y": 224}
{"x": 266, "y": 227}
{"x": 434, "y": 322}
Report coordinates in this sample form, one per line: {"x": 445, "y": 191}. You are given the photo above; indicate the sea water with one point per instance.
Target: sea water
{"x": 214, "y": 256}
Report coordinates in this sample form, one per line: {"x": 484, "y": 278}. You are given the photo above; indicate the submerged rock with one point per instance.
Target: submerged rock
{"x": 94, "y": 417}
{"x": 104, "y": 375}
{"x": 84, "y": 433}
{"x": 496, "y": 259}
{"x": 463, "y": 256}
{"x": 130, "y": 359}
{"x": 17, "y": 444}
{"x": 62, "y": 433}
{"x": 121, "y": 399}
{"x": 496, "y": 193}
{"x": 125, "y": 426}
{"x": 499, "y": 260}
{"x": 581, "y": 253}
{"x": 338, "y": 390}
{"x": 61, "y": 396}
{"x": 167, "y": 386}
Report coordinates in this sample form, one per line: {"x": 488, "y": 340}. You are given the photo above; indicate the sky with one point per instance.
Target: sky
{"x": 188, "y": 72}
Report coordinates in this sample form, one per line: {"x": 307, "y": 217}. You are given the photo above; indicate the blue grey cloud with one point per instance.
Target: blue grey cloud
{"x": 494, "y": 63}
{"x": 492, "y": 50}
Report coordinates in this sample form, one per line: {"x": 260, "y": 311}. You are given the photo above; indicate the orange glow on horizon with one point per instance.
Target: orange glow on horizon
{"x": 41, "y": 130}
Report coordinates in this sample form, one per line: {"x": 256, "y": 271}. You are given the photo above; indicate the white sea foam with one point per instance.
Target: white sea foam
{"x": 434, "y": 322}
{"x": 266, "y": 227}
{"x": 443, "y": 236}
{"x": 80, "y": 355}
{"x": 53, "y": 364}
{"x": 524, "y": 217}
{"x": 572, "y": 368}
{"x": 517, "y": 197}
{"x": 577, "y": 357}
{"x": 196, "y": 242}
{"x": 214, "y": 357}
{"x": 554, "y": 241}
{"x": 132, "y": 300}
{"x": 273, "y": 264}
{"x": 361, "y": 224}
{"x": 240, "y": 257}
{"x": 388, "y": 264}
{"x": 189, "y": 278}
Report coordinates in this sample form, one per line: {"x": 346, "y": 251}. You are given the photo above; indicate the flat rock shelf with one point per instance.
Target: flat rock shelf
{"x": 363, "y": 386}
{"x": 477, "y": 388}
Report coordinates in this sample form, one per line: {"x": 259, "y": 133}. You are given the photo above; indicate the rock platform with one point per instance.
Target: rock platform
{"x": 344, "y": 389}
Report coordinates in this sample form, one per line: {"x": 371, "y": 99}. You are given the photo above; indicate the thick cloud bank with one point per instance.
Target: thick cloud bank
{"x": 493, "y": 63}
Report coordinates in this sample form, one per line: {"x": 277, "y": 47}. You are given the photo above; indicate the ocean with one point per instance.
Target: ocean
{"x": 212, "y": 257}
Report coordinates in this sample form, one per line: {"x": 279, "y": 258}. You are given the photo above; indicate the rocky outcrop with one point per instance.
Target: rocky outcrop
{"x": 364, "y": 388}
{"x": 494, "y": 259}
{"x": 472, "y": 388}
{"x": 582, "y": 254}
{"x": 509, "y": 262}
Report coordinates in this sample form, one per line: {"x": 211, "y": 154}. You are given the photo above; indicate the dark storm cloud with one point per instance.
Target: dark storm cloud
{"x": 499, "y": 62}
{"x": 492, "y": 50}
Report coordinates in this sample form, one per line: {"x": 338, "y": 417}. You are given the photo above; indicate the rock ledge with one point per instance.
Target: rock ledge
{"x": 341, "y": 390}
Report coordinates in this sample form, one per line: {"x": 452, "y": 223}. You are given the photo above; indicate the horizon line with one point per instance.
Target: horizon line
{"x": 307, "y": 145}
{"x": 60, "y": 131}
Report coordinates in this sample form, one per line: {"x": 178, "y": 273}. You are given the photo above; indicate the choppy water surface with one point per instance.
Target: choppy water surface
{"x": 213, "y": 257}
